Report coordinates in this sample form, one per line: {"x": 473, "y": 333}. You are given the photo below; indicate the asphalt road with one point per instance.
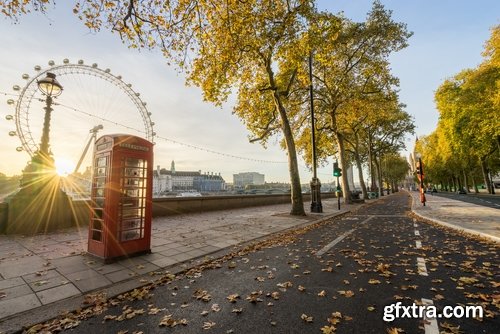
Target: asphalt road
{"x": 491, "y": 201}
{"x": 337, "y": 277}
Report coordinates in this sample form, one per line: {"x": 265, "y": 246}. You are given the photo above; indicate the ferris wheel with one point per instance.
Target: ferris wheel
{"x": 93, "y": 98}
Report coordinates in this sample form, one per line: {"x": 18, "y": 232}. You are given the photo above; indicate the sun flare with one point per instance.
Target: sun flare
{"x": 64, "y": 166}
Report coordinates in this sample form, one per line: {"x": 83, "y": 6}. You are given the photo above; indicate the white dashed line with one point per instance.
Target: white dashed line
{"x": 418, "y": 244}
{"x": 417, "y": 233}
{"x": 422, "y": 269}
{"x": 339, "y": 239}
{"x": 415, "y": 225}
{"x": 430, "y": 325}
{"x": 333, "y": 243}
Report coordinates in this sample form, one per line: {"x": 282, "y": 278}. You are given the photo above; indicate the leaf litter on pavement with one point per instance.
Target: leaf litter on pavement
{"x": 367, "y": 272}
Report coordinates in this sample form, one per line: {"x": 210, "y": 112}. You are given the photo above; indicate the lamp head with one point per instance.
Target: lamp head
{"x": 49, "y": 85}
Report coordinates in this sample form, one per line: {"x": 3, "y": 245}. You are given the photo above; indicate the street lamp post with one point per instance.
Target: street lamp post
{"x": 42, "y": 163}
{"x": 49, "y": 87}
{"x": 316, "y": 205}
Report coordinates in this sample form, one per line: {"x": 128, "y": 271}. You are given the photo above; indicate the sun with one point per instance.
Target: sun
{"x": 64, "y": 166}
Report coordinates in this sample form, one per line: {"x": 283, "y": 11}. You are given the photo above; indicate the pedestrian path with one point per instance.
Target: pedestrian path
{"x": 459, "y": 215}
{"x": 51, "y": 273}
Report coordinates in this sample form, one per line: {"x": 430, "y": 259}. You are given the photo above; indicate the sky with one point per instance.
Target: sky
{"x": 449, "y": 36}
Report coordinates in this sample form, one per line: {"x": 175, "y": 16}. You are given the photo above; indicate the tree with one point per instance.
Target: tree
{"x": 350, "y": 64}
{"x": 253, "y": 46}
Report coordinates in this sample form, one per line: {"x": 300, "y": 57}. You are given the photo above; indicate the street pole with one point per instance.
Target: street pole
{"x": 316, "y": 205}
{"x": 421, "y": 177}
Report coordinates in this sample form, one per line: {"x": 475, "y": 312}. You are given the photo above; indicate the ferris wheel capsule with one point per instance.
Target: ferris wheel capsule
{"x": 107, "y": 70}
{"x": 12, "y": 133}
{"x": 80, "y": 62}
{"x": 9, "y": 117}
{"x": 94, "y": 65}
{"x": 51, "y": 63}
{"x": 65, "y": 61}
{"x": 10, "y": 102}
{"x": 38, "y": 68}
{"x": 16, "y": 88}
{"x": 26, "y": 76}
{"x": 19, "y": 149}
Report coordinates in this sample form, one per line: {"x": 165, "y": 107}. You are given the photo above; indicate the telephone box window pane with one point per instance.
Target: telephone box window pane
{"x": 99, "y": 202}
{"x": 101, "y": 162}
{"x": 101, "y": 171}
{"x": 97, "y": 235}
{"x": 130, "y": 235}
{"x": 100, "y": 182}
{"x": 99, "y": 213}
{"x": 131, "y": 213}
{"x": 99, "y": 192}
{"x": 97, "y": 225}
{"x": 134, "y": 172}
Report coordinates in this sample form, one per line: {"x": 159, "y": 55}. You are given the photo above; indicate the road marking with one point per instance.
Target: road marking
{"x": 418, "y": 243}
{"x": 430, "y": 325}
{"x": 417, "y": 233}
{"x": 415, "y": 225}
{"x": 339, "y": 239}
{"x": 422, "y": 269}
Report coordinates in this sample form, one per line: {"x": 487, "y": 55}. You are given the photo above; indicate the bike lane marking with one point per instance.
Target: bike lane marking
{"x": 340, "y": 238}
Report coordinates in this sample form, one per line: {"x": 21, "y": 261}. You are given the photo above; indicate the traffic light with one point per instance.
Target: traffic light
{"x": 418, "y": 168}
{"x": 336, "y": 170}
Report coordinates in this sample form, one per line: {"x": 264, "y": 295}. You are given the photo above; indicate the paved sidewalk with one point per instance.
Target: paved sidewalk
{"x": 44, "y": 275}
{"x": 468, "y": 217}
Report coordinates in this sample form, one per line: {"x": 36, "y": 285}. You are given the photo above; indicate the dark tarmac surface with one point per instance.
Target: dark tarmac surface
{"x": 334, "y": 277}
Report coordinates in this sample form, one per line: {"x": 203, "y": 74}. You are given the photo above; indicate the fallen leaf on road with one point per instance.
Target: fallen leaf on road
{"x": 328, "y": 329}
{"x": 232, "y": 298}
{"x": 208, "y": 324}
{"x": 306, "y": 318}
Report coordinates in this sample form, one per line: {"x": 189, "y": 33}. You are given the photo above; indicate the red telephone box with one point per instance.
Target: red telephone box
{"x": 120, "y": 219}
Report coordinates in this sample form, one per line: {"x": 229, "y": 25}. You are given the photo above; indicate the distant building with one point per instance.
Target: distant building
{"x": 209, "y": 183}
{"x": 162, "y": 182}
{"x": 173, "y": 180}
{"x": 241, "y": 180}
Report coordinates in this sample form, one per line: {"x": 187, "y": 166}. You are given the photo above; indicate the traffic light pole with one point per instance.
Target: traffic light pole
{"x": 338, "y": 173}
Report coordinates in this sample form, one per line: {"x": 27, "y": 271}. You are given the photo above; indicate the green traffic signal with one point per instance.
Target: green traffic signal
{"x": 336, "y": 170}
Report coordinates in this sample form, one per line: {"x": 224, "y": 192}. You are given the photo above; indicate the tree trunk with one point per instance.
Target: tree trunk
{"x": 379, "y": 176}
{"x": 370, "y": 162}
{"x": 486, "y": 179}
{"x": 343, "y": 163}
{"x": 360, "y": 173}
{"x": 474, "y": 184}
{"x": 293, "y": 166}
{"x": 466, "y": 183}
{"x": 360, "y": 167}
